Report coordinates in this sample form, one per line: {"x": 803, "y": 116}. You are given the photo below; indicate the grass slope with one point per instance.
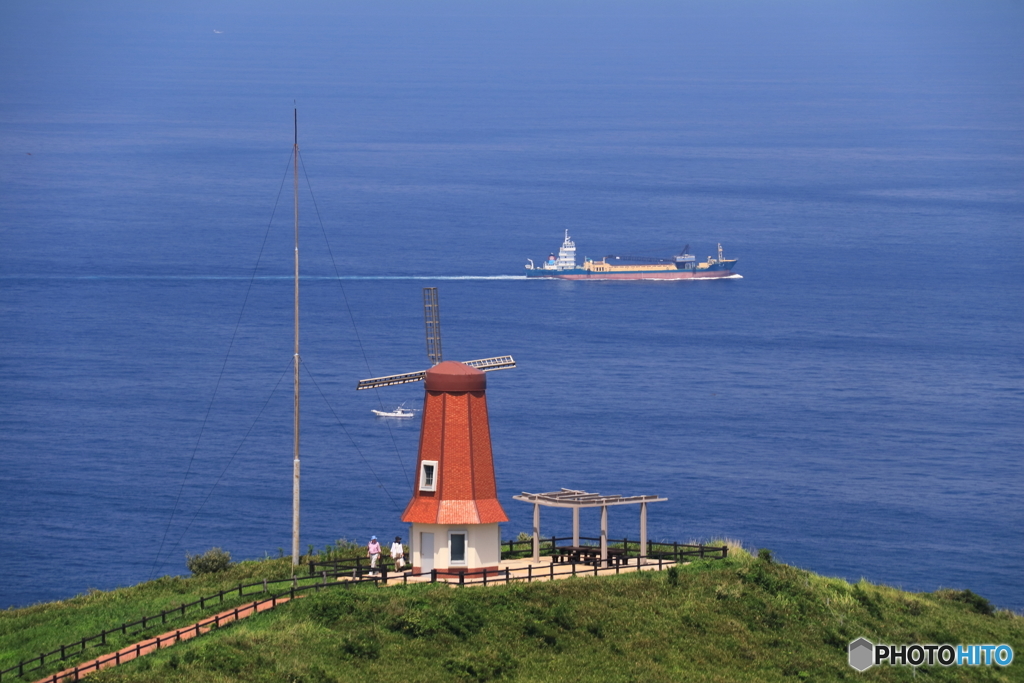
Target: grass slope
{"x": 735, "y": 620}
{"x": 28, "y": 631}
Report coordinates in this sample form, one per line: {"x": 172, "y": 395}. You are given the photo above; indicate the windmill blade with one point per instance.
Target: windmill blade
{"x": 491, "y": 364}
{"x": 483, "y": 364}
{"x": 432, "y": 320}
{"x": 389, "y": 380}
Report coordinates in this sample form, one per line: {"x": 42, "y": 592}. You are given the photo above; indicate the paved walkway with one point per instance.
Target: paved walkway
{"x": 164, "y": 640}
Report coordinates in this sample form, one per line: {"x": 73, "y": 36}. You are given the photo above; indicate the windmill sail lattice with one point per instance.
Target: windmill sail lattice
{"x": 432, "y": 320}
{"x": 484, "y": 364}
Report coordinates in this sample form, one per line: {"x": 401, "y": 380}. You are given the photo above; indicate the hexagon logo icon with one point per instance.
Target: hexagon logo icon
{"x": 862, "y": 654}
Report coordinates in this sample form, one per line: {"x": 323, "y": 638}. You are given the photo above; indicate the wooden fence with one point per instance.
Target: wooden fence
{"x": 358, "y": 571}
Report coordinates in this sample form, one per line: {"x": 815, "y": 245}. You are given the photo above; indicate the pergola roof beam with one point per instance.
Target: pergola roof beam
{"x": 568, "y": 498}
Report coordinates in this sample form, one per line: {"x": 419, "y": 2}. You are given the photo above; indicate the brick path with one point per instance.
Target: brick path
{"x": 149, "y": 645}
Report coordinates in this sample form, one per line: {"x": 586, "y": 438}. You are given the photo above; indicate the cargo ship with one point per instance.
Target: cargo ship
{"x": 683, "y": 266}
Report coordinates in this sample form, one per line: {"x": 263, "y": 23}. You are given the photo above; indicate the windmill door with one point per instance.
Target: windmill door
{"x": 426, "y": 552}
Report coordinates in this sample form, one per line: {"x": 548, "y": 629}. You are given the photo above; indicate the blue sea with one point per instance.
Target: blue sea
{"x": 855, "y": 402}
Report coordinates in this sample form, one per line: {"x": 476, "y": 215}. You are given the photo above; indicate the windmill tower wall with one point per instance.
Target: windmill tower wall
{"x": 454, "y": 509}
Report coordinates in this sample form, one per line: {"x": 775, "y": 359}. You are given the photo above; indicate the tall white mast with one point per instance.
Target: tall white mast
{"x": 295, "y": 461}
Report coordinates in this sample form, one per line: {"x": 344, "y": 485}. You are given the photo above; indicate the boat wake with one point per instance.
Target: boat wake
{"x": 429, "y": 277}
{"x": 305, "y": 278}
{"x": 327, "y": 278}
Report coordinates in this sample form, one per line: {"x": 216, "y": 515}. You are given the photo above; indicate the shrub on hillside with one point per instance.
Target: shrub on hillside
{"x": 673, "y": 576}
{"x": 212, "y": 561}
{"x": 973, "y": 600}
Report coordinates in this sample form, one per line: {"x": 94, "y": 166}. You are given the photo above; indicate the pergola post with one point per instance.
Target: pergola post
{"x": 536, "y": 532}
{"x": 604, "y": 535}
{"x": 643, "y": 529}
{"x": 571, "y": 498}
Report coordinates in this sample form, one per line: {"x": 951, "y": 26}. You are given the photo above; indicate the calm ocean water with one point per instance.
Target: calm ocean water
{"x": 855, "y": 402}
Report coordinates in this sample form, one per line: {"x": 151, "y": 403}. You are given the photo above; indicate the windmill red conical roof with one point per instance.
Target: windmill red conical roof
{"x": 452, "y": 376}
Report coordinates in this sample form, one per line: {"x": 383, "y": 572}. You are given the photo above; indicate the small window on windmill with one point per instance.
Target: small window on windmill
{"x": 428, "y": 475}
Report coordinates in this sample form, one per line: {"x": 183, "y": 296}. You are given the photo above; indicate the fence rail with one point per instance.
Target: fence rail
{"x": 358, "y": 571}
{"x": 140, "y": 625}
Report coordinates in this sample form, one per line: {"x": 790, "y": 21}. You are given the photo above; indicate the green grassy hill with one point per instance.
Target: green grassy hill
{"x": 741, "y": 619}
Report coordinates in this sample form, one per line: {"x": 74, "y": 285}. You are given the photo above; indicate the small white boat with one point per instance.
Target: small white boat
{"x": 400, "y": 411}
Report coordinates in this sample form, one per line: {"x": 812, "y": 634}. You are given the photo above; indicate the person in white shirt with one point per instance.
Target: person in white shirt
{"x": 398, "y": 553}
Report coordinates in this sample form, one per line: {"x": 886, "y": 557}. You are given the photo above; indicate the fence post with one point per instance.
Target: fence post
{"x": 143, "y": 622}
{"x": 596, "y": 565}
{"x": 62, "y": 653}
{"x": 163, "y": 616}
{"x": 529, "y": 573}
{"x": 552, "y": 567}
{"x": 725, "y": 551}
{"x": 462, "y": 579}
{"x": 433, "y": 576}
{"x": 574, "y": 568}
{"x": 485, "y": 576}
{"x": 384, "y": 573}
{"x": 660, "y": 558}
{"x": 675, "y": 550}
{"x": 264, "y": 585}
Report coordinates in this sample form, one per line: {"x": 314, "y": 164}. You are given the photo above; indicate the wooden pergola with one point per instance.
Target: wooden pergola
{"x": 570, "y": 498}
